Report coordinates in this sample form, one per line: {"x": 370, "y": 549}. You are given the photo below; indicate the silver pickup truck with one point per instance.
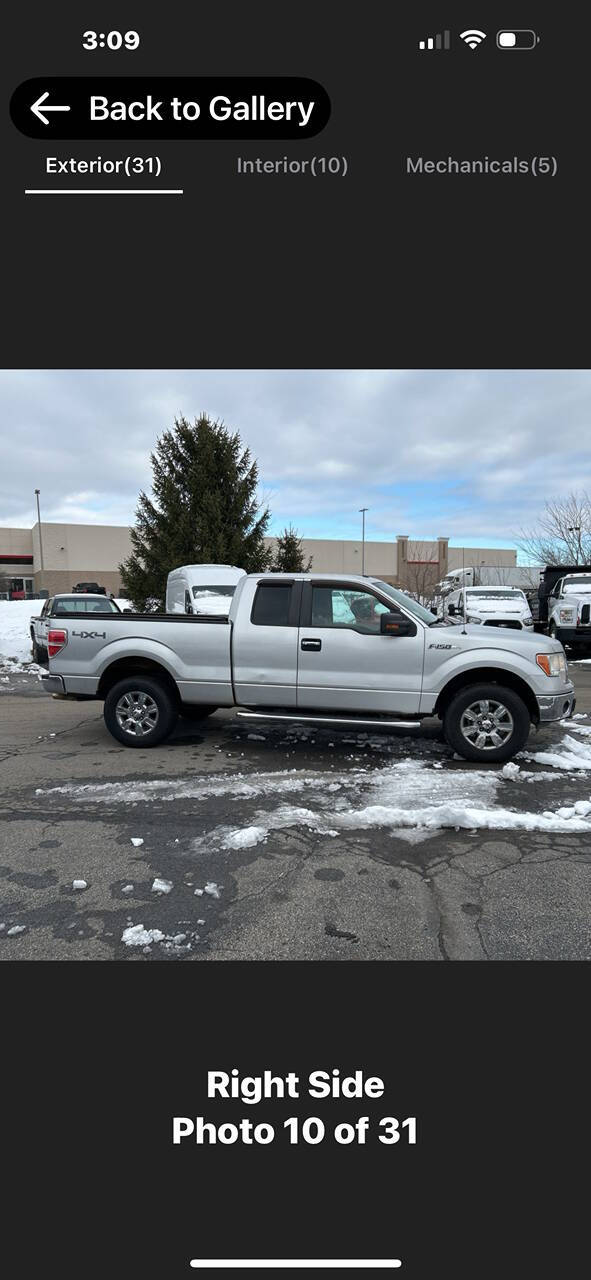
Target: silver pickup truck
{"x": 333, "y": 650}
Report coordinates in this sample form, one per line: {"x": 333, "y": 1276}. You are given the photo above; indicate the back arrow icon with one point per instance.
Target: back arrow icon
{"x": 36, "y": 108}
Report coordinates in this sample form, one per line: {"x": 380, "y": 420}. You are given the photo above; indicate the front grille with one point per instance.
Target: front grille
{"x": 585, "y": 613}
{"x": 503, "y": 622}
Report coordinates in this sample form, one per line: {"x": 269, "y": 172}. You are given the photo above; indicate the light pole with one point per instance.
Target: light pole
{"x": 362, "y": 511}
{"x": 37, "y": 492}
{"x": 576, "y": 528}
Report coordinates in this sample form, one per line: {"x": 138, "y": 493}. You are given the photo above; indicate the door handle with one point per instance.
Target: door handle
{"x": 312, "y": 644}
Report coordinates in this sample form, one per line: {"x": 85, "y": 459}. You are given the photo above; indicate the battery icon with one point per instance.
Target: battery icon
{"x": 523, "y": 39}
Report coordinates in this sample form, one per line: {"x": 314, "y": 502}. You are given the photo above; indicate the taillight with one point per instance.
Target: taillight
{"x": 56, "y": 641}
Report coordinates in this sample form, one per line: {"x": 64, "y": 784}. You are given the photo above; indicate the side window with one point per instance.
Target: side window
{"x": 271, "y": 606}
{"x": 344, "y": 607}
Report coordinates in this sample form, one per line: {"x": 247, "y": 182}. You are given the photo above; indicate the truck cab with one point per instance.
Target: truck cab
{"x": 569, "y": 610}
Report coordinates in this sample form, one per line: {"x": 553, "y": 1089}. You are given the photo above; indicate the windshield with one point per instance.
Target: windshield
{"x": 399, "y": 597}
{"x": 495, "y": 595}
{"x": 227, "y": 589}
{"x": 577, "y": 584}
{"x": 85, "y": 604}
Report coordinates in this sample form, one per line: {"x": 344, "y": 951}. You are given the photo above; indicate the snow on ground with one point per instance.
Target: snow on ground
{"x": 568, "y": 754}
{"x": 410, "y": 797}
{"x": 14, "y": 634}
{"x": 238, "y": 786}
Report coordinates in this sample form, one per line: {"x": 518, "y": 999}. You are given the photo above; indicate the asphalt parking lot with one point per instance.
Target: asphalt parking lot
{"x": 258, "y": 843}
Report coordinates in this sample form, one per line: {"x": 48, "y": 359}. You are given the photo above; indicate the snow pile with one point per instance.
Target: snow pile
{"x": 568, "y": 754}
{"x": 137, "y": 935}
{"x": 79, "y": 884}
{"x": 135, "y": 840}
{"x": 161, "y": 886}
{"x": 15, "y": 639}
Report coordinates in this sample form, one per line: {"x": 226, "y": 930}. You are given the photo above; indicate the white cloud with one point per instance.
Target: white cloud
{"x": 466, "y": 453}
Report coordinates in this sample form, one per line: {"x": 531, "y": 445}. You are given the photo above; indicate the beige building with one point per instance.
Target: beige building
{"x": 407, "y": 562}
{"x": 54, "y": 557}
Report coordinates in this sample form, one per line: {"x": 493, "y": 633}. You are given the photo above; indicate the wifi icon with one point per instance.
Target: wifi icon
{"x": 473, "y": 38}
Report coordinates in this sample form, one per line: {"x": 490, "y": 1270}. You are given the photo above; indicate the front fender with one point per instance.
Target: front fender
{"x": 438, "y": 674}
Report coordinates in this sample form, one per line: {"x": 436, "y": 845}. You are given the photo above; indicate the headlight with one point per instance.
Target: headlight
{"x": 470, "y": 618}
{"x": 552, "y": 664}
{"x": 566, "y": 615}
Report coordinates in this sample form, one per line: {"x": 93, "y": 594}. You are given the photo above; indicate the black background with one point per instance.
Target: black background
{"x": 492, "y": 1059}
{"x": 375, "y": 270}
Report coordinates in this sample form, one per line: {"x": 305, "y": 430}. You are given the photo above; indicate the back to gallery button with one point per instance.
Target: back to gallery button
{"x": 295, "y": 1263}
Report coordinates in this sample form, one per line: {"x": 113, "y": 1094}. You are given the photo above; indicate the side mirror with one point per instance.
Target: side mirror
{"x": 451, "y": 608}
{"x": 397, "y": 624}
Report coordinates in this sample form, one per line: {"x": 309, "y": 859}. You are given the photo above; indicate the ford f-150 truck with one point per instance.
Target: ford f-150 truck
{"x": 333, "y": 650}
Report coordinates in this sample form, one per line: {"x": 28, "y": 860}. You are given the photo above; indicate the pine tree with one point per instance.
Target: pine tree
{"x": 289, "y": 553}
{"x": 204, "y": 509}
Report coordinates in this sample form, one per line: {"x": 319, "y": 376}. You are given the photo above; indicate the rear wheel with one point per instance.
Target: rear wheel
{"x": 487, "y": 723}
{"x": 39, "y": 654}
{"x": 140, "y": 712}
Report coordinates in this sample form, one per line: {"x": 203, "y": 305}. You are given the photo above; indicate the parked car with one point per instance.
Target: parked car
{"x": 56, "y": 607}
{"x": 569, "y": 610}
{"x": 491, "y": 607}
{"x": 202, "y": 588}
{"x": 91, "y": 587}
{"x": 331, "y": 650}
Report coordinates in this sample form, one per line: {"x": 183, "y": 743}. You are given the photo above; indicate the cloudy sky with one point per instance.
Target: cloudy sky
{"x": 471, "y": 455}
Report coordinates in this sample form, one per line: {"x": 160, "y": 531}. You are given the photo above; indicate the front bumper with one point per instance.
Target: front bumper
{"x": 556, "y": 706}
{"x": 53, "y": 684}
{"x": 574, "y": 636}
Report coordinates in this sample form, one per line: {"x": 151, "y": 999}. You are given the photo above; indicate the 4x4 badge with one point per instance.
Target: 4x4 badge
{"x": 91, "y": 635}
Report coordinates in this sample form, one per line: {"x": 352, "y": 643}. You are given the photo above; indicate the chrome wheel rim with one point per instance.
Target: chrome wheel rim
{"x": 487, "y": 724}
{"x": 136, "y": 713}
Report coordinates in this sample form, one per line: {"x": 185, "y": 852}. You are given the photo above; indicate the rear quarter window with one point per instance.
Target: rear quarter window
{"x": 271, "y": 606}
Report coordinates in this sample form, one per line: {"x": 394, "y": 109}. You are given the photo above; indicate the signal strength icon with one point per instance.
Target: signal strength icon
{"x": 440, "y": 41}
{"x": 473, "y": 38}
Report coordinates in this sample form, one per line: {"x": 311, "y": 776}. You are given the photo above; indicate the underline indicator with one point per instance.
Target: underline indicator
{"x": 219, "y": 1264}
{"x": 104, "y": 191}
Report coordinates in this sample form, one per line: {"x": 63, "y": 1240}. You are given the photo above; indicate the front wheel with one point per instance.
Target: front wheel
{"x": 486, "y": 722}
{"x": 140, "y": 712}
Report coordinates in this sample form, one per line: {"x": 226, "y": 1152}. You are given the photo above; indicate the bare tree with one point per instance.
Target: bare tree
{"x": 562, "y": 534}
{"x": 421, "y": 573}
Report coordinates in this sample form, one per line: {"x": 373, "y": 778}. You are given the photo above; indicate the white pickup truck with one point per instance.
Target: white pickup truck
{"x": 491, "y": 607}
{"x": 332, "y": 650}
{"x": 59, "y": 605}
{"x": 569, "y": 611}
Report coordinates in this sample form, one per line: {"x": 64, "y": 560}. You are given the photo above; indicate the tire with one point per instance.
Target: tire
{"x": 195, "y": 712}
{"x": 39, "y": 654}
{"x": 135, "y": 694}
{"x": 512, "y": 723}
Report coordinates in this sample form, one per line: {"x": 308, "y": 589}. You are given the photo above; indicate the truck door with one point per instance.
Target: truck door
{"x": 265, "y": 645}
{"x": 345, "y": 663}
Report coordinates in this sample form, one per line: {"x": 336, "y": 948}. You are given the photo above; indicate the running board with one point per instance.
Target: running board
{"x": 332, "y": 720}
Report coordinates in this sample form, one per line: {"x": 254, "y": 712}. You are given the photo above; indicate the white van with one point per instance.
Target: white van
{"x": 202, "y": 588}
